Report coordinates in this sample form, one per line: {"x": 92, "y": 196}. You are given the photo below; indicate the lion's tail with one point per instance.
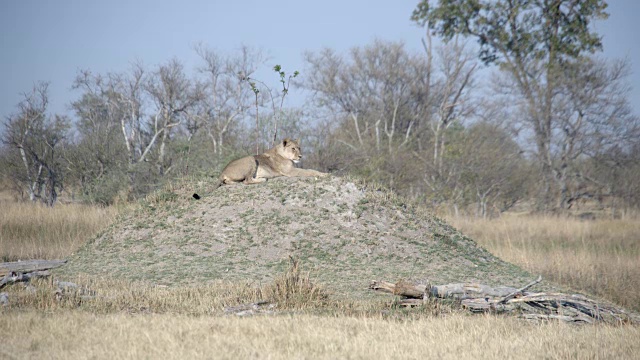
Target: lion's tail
{"x": 220, "y": 183}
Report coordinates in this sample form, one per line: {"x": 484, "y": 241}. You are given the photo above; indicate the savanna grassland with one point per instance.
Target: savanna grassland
{"x": 135, "y": 318}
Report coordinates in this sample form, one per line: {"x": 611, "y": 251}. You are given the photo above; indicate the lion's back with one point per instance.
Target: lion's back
{"x": 239, "y": 168}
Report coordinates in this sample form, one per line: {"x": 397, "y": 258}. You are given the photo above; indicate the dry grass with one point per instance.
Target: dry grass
{"x": 292, "y": 290}
{"x": 140, "y": 321}
{"x": 599, "y": 257}
{"x": 82, "y": 335}
{"x": 30, "y": 231}
{"x": 104, "y": 296}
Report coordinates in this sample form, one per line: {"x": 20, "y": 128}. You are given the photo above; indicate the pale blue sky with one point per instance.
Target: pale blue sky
{"x": 52, "y": 40}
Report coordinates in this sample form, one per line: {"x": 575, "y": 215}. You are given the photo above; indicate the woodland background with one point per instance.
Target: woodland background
{"x": 507, "y": 105}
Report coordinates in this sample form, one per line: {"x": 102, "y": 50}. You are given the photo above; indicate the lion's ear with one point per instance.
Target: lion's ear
{"x": 285, "y": 141}
{"x": 298, "y": 141}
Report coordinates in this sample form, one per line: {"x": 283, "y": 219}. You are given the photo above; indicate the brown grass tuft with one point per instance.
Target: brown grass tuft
{"x": 294, "y": 289}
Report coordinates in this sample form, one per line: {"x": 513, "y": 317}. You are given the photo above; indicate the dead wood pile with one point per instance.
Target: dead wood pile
{"x": 479, "y": 298}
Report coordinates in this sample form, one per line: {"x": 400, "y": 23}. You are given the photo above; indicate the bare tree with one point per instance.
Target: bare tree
{"x": 111, "y": 132}
{"x": 173, "y": 94}
{"x": 378, "y": 99}
{"x": 372, "y": 89}
{"x": 377, "y": 90}
{"x": 450, "y": 92}
{"x": 227, "y": 99}
{"x": 127, "y": 121}
{"x": 20, "y": 130}
{"x": 115, "y": 100}
{"x": 389, "y": 102}
{"x": 593, "y": 116}
{"x": 37, "y": 138}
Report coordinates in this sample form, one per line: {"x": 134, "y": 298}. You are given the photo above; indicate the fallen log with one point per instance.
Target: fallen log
{"x": 401, "y": 288}
{"x": 469, "y": 291}
{"x": 13, "y": 277}
{"x": 457, "y": 291}
{"x": 24, "y": 271}
{"x": 29, "y": 266}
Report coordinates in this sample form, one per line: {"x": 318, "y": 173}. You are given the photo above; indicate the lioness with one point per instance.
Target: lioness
{"x": 275, "y": 162}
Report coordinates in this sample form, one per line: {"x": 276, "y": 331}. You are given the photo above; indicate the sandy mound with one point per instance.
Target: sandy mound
{"x": 344, "y": 233}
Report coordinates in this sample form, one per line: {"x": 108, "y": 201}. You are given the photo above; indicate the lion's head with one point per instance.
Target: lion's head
{"x": 290, "y": 149}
